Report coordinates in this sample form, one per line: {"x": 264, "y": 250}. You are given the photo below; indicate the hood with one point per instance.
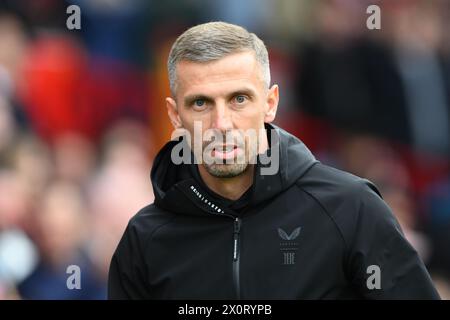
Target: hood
{"x": 178, "y": 192}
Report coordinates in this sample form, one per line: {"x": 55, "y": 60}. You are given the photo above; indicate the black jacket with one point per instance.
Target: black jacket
{"x": 307, "y": 232}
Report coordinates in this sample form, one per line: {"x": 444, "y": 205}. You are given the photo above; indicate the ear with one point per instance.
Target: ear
{"x": 172, "y": 111}
{"x": 272, "y": 104}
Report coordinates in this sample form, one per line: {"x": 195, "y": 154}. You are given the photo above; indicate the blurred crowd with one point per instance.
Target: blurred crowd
{"x": 82, "y": 115}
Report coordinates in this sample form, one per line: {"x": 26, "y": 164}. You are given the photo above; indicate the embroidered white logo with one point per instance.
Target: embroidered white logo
{"x": 205, "y": 200}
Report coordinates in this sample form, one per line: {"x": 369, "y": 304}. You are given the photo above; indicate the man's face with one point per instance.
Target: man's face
{"x": 229, "y": 98}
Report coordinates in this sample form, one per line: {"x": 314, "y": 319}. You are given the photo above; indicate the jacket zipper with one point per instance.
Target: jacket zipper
{"x": 236, "y": 256}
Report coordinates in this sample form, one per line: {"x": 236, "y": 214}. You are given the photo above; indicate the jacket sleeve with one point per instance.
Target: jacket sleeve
{"x": 381, "y": 262}
{"x": 126, "y": 278}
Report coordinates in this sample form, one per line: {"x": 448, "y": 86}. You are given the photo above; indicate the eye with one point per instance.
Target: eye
{"x": 199, "y": 103}
{"x": 240, "y": 99}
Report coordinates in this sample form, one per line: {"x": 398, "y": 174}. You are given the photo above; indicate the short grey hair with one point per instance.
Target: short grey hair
{"x": 213, "y": 41}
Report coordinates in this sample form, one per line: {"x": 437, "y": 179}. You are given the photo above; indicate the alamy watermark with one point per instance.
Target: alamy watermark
{"x": 74, "y": 20}
{"x": 374, "y": 280}
{"x": 74, "y": 280}
{"x": 373, "y": 22}
{"x": 214, "y": 147}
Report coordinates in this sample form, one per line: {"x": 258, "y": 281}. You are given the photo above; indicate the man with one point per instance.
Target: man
{"x": 223, "y": 228}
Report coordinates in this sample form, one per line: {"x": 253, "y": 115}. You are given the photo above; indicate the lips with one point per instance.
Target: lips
{"x": 226, "y": 148}
{"x": 225, "y": 151}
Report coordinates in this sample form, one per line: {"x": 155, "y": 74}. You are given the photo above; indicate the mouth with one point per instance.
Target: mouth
{"x": 225, "y": 151}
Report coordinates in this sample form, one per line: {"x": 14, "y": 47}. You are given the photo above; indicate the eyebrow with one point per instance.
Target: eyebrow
{"x": 190, "y": 99}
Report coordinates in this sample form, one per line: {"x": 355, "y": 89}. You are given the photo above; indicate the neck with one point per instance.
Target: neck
{"x": 229, "y": 188}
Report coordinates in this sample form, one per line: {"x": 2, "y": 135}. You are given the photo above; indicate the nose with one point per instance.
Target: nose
{"x": 221, "y": 118}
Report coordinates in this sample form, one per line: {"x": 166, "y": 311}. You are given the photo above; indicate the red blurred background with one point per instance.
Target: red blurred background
{"x": 82, "y": 115}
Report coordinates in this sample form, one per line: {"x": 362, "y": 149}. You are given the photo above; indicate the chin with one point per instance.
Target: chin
{"x": 226, "y": 170}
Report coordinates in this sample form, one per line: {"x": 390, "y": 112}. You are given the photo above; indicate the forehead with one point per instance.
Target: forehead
{"x": 227, "y": 73}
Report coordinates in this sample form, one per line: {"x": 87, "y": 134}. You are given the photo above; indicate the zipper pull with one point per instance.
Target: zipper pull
{"x": 237, "y": 229}
{"x": 237, "y": 225}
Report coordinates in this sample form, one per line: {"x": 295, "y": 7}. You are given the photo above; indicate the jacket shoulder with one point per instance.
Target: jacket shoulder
{"x": 147, "y": 221}
{"x": 326, "y": 184}
{"x": 347, "y": 199}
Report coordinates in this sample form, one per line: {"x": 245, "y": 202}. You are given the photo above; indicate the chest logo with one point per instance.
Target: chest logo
{"x": 283, "y": 235}
{"x": 288, "y": 246}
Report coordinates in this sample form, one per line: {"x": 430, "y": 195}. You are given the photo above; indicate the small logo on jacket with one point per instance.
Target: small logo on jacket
{"x": 292, "y": 236}
{"x": 288, "y": 246}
